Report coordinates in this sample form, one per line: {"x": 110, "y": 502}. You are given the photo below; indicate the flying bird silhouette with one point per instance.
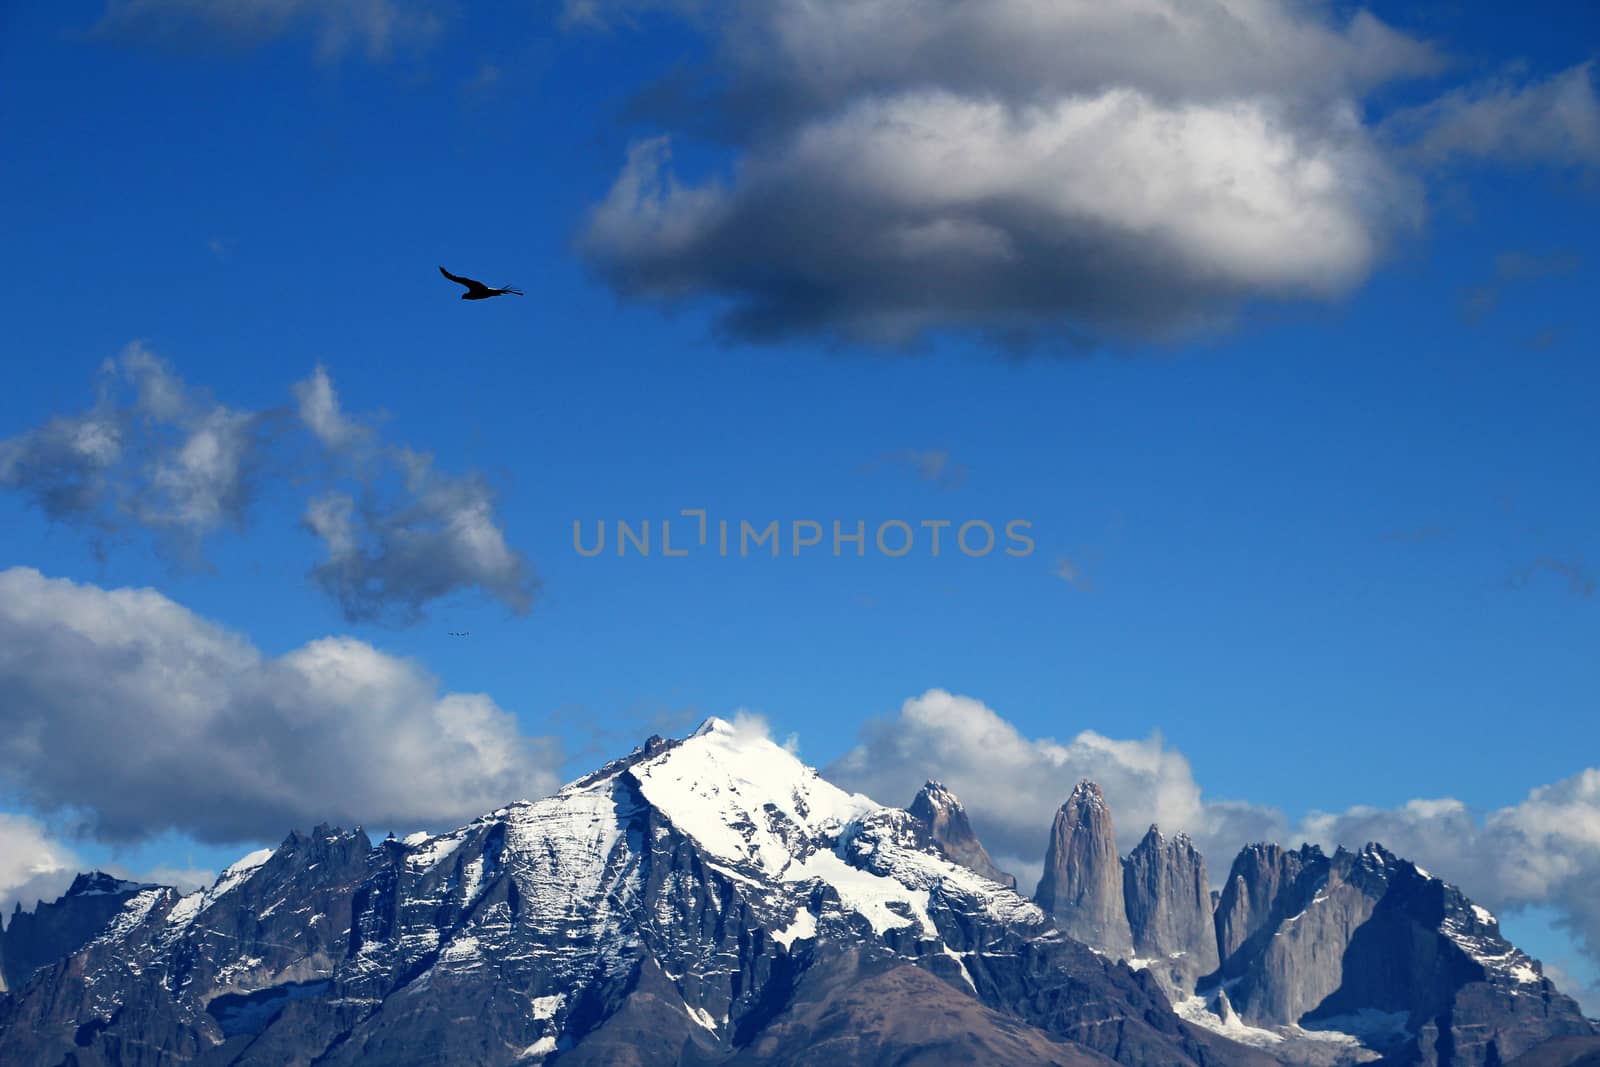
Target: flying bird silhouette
{"x": 477, "y": 290}
{"x": 460, "y": 633}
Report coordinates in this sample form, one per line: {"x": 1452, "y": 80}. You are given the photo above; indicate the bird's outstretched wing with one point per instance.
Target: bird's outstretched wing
{"x": 472, "y": 285}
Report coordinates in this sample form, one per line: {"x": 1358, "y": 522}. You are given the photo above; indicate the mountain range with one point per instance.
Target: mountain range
{"x": 711, "y": 900}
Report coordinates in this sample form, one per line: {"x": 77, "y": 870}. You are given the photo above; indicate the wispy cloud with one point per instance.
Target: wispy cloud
{"x": 387, "y": 559}
{"x": 932, "y": 465}
{"x": 1072, "y": 573}
{"x": 1513, "y": 119}
{"x": 1418, "y": 535}
{"x": 376, "y": 28}
{"x": 1514, "y": 268}
{"x": 1579, "y": 580}
{"x": 156, "y": 455}
{"x": 406, "y": 534}
{"x": 151, "y": 452}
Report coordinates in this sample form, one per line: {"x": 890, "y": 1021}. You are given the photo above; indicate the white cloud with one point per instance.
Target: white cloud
{"x": 32, "y": 863}
{"x": 1138, "y": 169}
{"x": 168, "y": 720}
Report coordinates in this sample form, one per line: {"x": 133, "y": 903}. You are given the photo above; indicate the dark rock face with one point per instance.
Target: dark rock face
{"x": 1168, "y": 900}
{"x": 938, "y": 809}
{"x": 1082, "y": 883}
{"x": 704, "y": 901}
{"x": 55, "y": 930}
{"x": 1264, "y": 882}
{"x": 1345, "y": 941}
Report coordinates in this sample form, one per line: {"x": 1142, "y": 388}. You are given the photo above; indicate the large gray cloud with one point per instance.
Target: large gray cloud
{"x": 1081, "y": 169}
{"x": 153, "y": 453}
{"x": 1541, "y": 852}
{"x": 1137, "y": 169}
{"x": 135, "y": 715}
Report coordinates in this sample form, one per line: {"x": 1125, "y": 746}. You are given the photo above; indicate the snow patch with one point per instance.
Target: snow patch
{"x": 235, "y": 874}
{"x": 1198, "y": 1011}
{"x": 430, "y": 852}
{"x": 540, "y": 1048}
{"x": 802, "y": 928}
{"x": 1369, "y": 1025}
{"x": 184, "y": 911}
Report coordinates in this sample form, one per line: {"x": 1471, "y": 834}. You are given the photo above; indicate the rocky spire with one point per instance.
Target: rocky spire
{"x": 1168, "y": 900}
{"x": 1264, "y": 884}
{"x": 1082, "y": 883}
{"x": 938, "y": 809}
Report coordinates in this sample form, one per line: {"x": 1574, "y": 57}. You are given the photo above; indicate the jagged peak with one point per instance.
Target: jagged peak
{"x": 1379, "y": 853}
{"x": 937, "y": 796}
{"x": 1086, "y": 796}
{"x": 653, "y": 746}
{"x": 99, "y": 883}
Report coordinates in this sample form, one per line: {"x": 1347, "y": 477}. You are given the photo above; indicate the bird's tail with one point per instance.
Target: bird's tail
{"x": 513, "y": 290}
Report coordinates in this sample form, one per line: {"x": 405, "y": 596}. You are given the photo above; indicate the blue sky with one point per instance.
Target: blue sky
{"x": 1335, "y": 551}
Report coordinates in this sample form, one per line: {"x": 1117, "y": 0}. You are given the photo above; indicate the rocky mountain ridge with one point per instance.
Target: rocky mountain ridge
{"x": 57, "y": 928}
{"x": 703, "y": 901}
{"x": 1315, "y": 958}
{"x": 711, "y": 900}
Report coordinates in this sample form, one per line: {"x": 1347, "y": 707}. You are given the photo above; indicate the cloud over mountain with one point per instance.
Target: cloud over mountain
{"x": 33, "y": 864}
{"x": 1543, "y": 851}
{"x": 172, "y": 721}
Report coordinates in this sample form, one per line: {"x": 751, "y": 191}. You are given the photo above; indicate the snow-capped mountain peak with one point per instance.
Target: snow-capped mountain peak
{"x": 745, "y": 799}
